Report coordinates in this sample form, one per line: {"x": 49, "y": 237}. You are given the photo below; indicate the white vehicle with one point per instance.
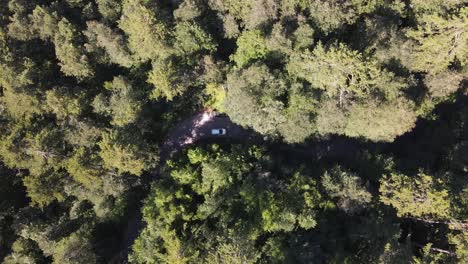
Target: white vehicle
{"x": 218, "y": 131}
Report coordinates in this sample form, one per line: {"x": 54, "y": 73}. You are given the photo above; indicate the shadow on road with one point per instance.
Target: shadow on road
{"x": 198, "y": 128}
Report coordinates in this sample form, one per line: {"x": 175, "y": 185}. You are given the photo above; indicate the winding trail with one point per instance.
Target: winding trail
{"x": 187, "y": 132}
{"x": 198, "y": 127}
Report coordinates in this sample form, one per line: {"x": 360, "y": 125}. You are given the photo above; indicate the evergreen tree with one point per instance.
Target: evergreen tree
{"x": 147, "y": 34}
{"x": 439, "y": 42}
{"x": 421, "y": 196}
{"x": 70, "y": 53}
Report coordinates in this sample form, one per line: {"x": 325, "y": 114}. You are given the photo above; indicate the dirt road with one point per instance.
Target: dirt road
{"x": 187, "y": 132}
{"x": 198, "y": 127}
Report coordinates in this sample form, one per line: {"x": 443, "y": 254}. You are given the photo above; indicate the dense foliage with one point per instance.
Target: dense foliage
{"x": 90, "y": 91}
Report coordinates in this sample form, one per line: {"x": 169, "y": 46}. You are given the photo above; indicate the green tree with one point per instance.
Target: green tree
{"x": 19, "y": 26}
{"x": 45, "y": 188}
{"x": 126, "y": 152}
{"x": 439, "y": 42}
{"x": 191, "y": 38}
{"x": 421, "y": 196}
{"x": 460, "y": 240}
{"x": 303, "y": 36}
{"x": 251, "y": 46}
{"x": 74, "y": 249}
{"x": 59, "y": 237}
{"x": 347, "y": 188}
{"x": 20, "y": 99}
{"x": 102, "y": 36}
{"x": 65, "y": 102}
{"x": 279, "y": 44}
{"x": 44, "y": 22}
{"x": 148, "y": 37}
{"x": 21, "y": 103}
{"x": 299, "y": 122}
{"x": 332, "y": 15}
{"x": 85, "y": 168}
{"x": 444, "y": 83}
{"x": 215, "y": 200}
{"x": 70, "y": 53}
{"x": 342, "y": 72}
{"x": 245, "y": 13}
{"x": 395, "y": 253}
{"x": 25, "y": 251}
{"x": 168, "y": 80}
{"x": 252, "y": 99}
{"x": 121, "y": 102}
{"x": 34, "y": 148}
{"x": 380, "y": 122}
{"x": 330, "y": 118}
{"x": 437, "y": 6}
{"x": 81, "y": 132}
{"x": 109, "y": 9}
{"x": 216, "y": 96}
{"x": 360, "y": 98}
{"x": 429, "y": 254}
{"x": 189, "y": 10}
{"x": 233, "y": 250}
{"x": 231, "y": 11}
{"x": 257, "y": 98}
{"x": 230, "y": 26}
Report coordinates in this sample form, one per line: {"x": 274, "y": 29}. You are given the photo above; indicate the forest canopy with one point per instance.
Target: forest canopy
{"x": 351, "y": 121}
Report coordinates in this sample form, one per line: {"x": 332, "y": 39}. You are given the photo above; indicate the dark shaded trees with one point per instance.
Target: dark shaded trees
{"x": 101, "y": 36}
{"x": 215, "y": 200}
